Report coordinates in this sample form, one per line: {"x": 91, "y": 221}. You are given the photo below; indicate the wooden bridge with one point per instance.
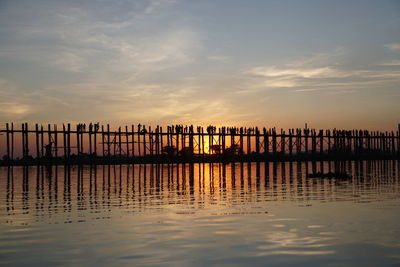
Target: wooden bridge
{"x": 98, "y": 143}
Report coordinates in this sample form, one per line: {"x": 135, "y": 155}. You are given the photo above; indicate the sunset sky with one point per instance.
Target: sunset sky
{"x": 245, "y": 63}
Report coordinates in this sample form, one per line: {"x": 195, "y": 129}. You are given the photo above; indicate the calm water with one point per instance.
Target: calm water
{"x": 201, "y": 214}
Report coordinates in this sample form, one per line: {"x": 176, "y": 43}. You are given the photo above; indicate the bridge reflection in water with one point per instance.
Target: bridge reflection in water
{"x": 60, "y": 194}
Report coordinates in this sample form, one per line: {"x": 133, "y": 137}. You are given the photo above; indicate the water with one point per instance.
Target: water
{"x": 201, "y": 214}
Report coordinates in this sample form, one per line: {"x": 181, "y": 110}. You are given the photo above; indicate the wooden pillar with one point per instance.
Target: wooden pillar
{"x": 177, "y": 140}
{"x": 144, "y": 143}
{"x": 210, "y": 140}
{"x": 283, "y": 142}
{"x": 23, "y": 140}
{"x": 49, "y": 135}
{"x": 306, "y": 132}
{"x": 64, "y": 142}
{"x": 274, "y": 143}
{"x": 202, "y": 140}
{"x": 291, "y": 142}
{"x": 37, "y": 140}
{"x": 133, "y": 140}
{"x": 81, "y": 136}
{"x": 241, "y": 140}
{"x": 257, "y": 141}
{"x": 199, "y": 141}
{"x": 42, "y": 140}
{"x": 314, "y": 141}
{"x": 68, "y": 141}
{"x": 26, "y": 139}
{"x": 108, "y": 141}
{"x": 393, "y": 152}
{"x": 78, "y": 145}
{"x": 12, "y": 141}
{"x": 127, "y": 141}
{"x": 398, "y": 139}
{"x": 138, "y": 142}
{"x": 8, "y": 140}
{"x": 168, "y": 136}
{"x": 90, "y": 138}
{"x": 191, "y": 143}
{"x": 94, "y": 133}
{"x": 102, "y": 140}
{"x": 328, "y": 134}
{"x": 161, "y": 140}
{"x": 119, "y": 142}
{"x": 321, "y": 141}
{"x": 298, "y": 140}
{"x": 151, "y": 142}
{"x": 55, "y": 141}
{"x": 248, "y": 142}
{"x": 266, "y": 142}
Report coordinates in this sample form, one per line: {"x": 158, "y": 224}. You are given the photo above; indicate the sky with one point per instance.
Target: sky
{"x": 331, "y": 64}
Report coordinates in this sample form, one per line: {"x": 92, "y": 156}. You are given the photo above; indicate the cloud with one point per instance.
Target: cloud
{"x": 390, "y": 63}
{"x": 324, "y": 72}
{"x": 14, "y": 104}
{"x": 319, "y": 73}
{"x": 395, "y": 47}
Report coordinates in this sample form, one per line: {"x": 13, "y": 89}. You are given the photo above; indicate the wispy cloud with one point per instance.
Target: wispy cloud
{"x": 395, "y": 47}
{"x": 319, "y": 73}
{"x": 393, "y": 62}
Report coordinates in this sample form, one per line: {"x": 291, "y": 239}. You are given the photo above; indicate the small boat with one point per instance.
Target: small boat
{"x": 339, "y": 175}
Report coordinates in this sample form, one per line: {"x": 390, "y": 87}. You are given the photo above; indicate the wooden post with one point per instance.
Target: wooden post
{"x": 138, "y": 141}
{"x": 314, "y": 141}
{"x": 298, "y": 141}
{"x": 283, "y": 142}
{"x": 202, "y": 139}
{"x": 393, "y": 152}
{"x": 306, "y": 132}
{"x": 248, "y": 142}
{"x": 398, "y": 139}
{"x": 191, "y": 142}
{"x": 78, "y": 145}
{"x": 96, "y": 128}
{"x": 241, "y": 140}
{"x": 12, "y": 141}
{"x": 151, "y": 142}
{"x": 26, "y": 139}
{"x": 168, "y": 136}
{"x": 266, "y": 142}
{"x": 328, "y": 133}
{"x": 144, "y": 142}
{"x": 133, "y": 140}
{"x": 291, "y": 142}
{"x": 23, "y": 140}
{"x": 108, "y": 141}
{"x": 83, "y": 126}
{"x": 90, "y": 138}
{"x": 274, "y": 141}
{"x": 177, "y": 141}
{"x": 37, "y": 140}
{"x": 210, "y": 138}
{"x": 8, "y": 140}
{"x": 55, "y": 141}
{"x": 321, "y": 141}
{"x": 49, "y": 135}
{"x": 257, "y": 141}
{"x": 102, "y": 140}
{"x": 119, "y": 142}
{"x": 68, "y": 140}
{"x": 127, "y": 141}
{"x": 161, "y": 141}
{"x": 64, "y": 142}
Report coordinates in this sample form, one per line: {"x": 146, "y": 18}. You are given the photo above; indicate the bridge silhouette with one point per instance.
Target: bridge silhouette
{"x": 99, "y": 144}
